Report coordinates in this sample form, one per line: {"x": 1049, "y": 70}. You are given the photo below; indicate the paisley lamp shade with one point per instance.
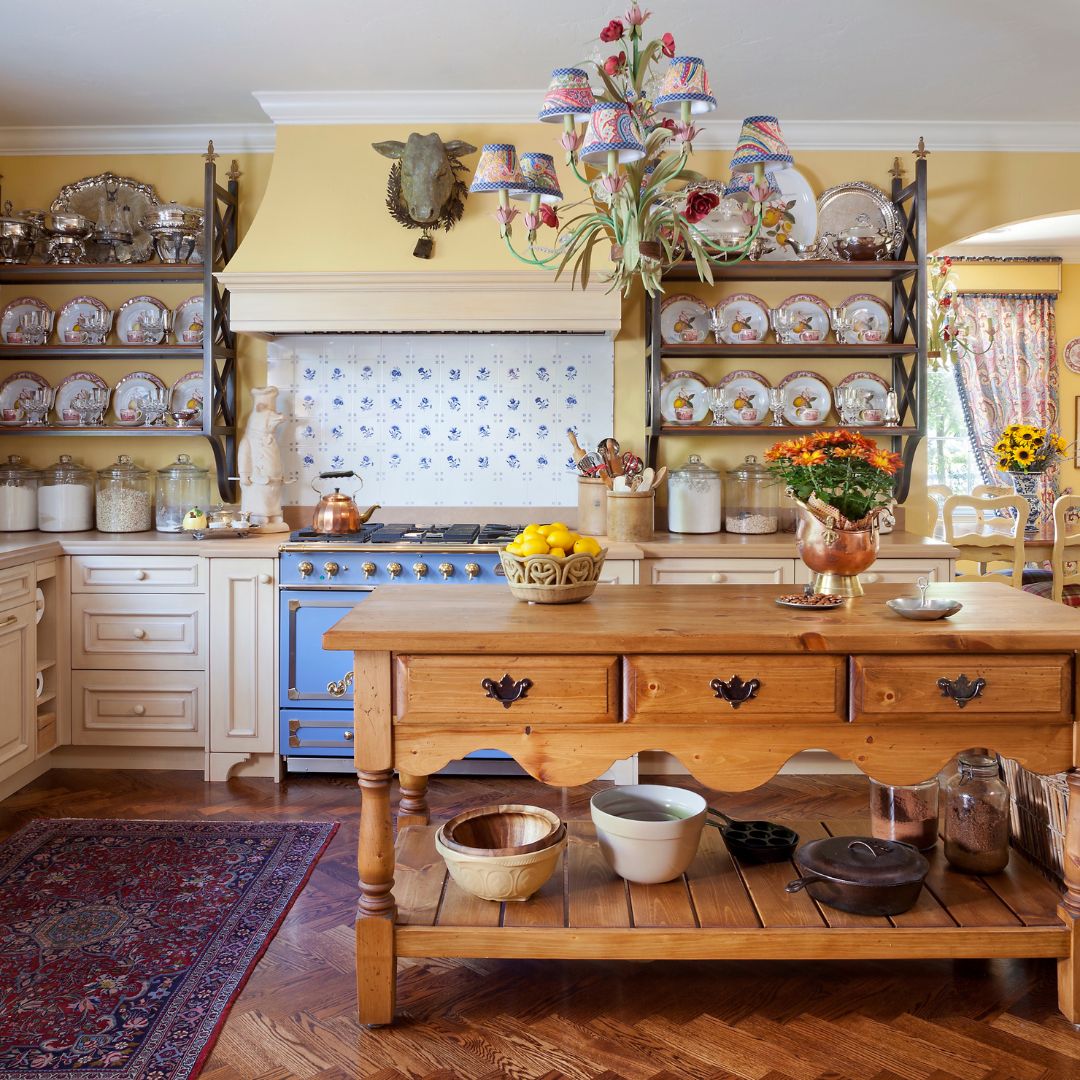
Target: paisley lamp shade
{"x": 540, "y": 179}
{"x": 738, "y": 187}
{"x": 760, "y": 143}
{"x": 611, "y": 127}
{"x": 568, "y": 95}
{"x": 685, "y": 80}
{"x": 497, "y": 169}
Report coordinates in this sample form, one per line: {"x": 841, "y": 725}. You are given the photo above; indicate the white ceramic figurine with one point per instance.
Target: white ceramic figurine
{"x": 259, "y": 465}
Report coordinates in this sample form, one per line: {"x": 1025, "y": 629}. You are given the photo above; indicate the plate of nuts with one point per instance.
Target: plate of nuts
{"x": 818, "y": 601}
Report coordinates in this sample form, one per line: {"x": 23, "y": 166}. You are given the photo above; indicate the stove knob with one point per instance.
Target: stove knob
{"x": 393, "y": 568}
{"x": 472, "y": 569}
{"x": 369, "y": 569}
{"x": 305, "y": 568}
{"x": 420, "y": 570}
{"x": 446, "y": 569}
{"x": 331, "y": 569}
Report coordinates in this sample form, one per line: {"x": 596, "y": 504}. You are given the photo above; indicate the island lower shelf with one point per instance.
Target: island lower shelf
{"x": 720, "y": 909}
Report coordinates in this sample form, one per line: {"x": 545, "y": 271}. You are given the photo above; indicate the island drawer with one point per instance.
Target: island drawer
{"x": 719, "y": 689}
{"x": 444, "y": 690}
{"x": 164, "y": 631}
{"x": 136, "y": 573}
{"x": 1036, "y": 688}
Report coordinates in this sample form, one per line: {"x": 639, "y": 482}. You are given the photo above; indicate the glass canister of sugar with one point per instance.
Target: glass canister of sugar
{"x": 125, "y": 497}
{"x": 65, "y": 497}
{"x": 751, "y": 498}
{"x": 694, "y": 498}
{"x": 18, "y": 495}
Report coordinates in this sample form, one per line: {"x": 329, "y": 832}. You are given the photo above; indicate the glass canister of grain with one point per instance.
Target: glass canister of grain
{"x": 66, "y": 497}
{"x": 977, "y": 816}
{"x": 694, "y": 498}
{"x": 751, "y": 498}
{"x": 18, "y": 495}
{"x": 905, "y": 812}
{"x": 181, "y": 487}
{"x": 125, "y": 497}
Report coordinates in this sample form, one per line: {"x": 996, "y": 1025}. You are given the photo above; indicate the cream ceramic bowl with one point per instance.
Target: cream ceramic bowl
{"x": 501, "y": 877}
{"x": 648, "y": 832}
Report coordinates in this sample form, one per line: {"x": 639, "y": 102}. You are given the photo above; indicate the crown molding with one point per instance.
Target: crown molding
{"x": 137, "y": 139}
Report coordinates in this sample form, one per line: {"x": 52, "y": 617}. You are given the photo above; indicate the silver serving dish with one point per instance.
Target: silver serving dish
{"x": 174, "y": 245}
{"x": 77, "y": 226}
{"x": 922, "y": 609}
{"x": 17, "y": 239}
{"x": 840, "y": 209}
{"x": 109, "y": 199}
{"x": 173, "y": 216}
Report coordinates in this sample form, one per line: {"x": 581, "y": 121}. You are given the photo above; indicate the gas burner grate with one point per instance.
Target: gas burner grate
{"x": 310, "y": 536}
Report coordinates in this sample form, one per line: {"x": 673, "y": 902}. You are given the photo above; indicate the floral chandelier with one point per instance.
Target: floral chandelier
{"x": 638, "y": 135}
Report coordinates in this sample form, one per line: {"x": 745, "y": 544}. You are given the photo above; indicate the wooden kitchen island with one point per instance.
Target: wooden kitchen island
{"x": 650, "y": 669}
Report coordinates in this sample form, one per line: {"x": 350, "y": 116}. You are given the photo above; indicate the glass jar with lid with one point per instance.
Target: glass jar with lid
{"x": 181, "y": 486}
{"x": 125, "y": 497}
{"x": 694, "y": 498}
{"x": 66, "y": 497}
{"x": 751, "y": 498}
{"x": 18, "y": 495}
{"x": 977, "y": 815}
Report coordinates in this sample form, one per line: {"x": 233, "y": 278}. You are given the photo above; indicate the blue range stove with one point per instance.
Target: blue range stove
{"x": 321, "y": 577}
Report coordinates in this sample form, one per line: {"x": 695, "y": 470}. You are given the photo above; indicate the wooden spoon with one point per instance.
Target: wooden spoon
{"x": 579, "y": 453}
{"x": 661, "y": 476}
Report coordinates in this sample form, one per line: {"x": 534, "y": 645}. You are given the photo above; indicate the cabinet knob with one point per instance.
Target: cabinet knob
{"x": 139, "y": 710}
{"x": 420, "y": 569}
{"x": 265, "y": 579}
{"x": 871, "y": 577}
{"x": 347, "y": 736}
{"x": 446, "y": 569}
{"x": 138, "y": 633}
{"x": 140, "y": 575}
{"x": 306, "y": 568}
{"x": 716, "y": 578}
{"x": 472, "y": 569}
{"x": 393, "y": 568}
{"x": 369, "y": 569}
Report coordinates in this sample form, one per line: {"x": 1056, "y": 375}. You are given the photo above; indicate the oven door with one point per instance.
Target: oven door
{"x": 306, "y": 668}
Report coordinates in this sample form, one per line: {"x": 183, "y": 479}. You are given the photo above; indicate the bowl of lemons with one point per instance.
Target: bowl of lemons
{"x": 552, "y": 564}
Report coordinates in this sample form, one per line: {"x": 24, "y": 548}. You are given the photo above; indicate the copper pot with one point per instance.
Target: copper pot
{"x": 337, "y": 514}
{"x": 836, "y": 556}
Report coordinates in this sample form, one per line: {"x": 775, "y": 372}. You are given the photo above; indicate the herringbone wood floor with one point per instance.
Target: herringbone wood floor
{"x": 906, "y": 1020}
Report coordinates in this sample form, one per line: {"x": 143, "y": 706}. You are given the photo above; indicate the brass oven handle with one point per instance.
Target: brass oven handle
{"x": 341, "y": 687}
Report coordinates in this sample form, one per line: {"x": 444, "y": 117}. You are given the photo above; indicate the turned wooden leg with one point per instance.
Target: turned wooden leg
{"x": 376, "y": 965}
{"x": 1069, "y": 967}
{"x": 413, "y": 805}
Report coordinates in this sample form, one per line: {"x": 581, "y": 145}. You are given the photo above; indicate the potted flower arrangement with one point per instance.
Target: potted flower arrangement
{"x": 841, "y": 482}
{"x": 1025, "y": 452}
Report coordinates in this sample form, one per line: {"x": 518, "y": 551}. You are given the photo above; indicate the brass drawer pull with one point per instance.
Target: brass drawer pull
{"x": 961, "y": 689}
{"x": 507, "y": 690}
{"x": 341, "y": 687}
{"x": 734, "y": 691}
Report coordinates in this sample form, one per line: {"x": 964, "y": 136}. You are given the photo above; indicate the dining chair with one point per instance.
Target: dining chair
{"x": 1001, "y": 541}
{"x": 988, "y": 491}
{"x": 1064, "y": 586}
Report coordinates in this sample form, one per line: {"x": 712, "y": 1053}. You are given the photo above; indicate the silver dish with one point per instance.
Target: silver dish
{"x": 173, "y": 216}
{"x": 923, "y": 610}
{"x": 103, "y": 199}
{"x": 839, "y": 206}
{"x": 794, "y": 604}
{"x": 17, "y": 240}
{"x": 77, "y": 226}
{"x": 174, "y": 245}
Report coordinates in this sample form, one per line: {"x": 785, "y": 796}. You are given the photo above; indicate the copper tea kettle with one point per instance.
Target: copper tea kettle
{"x": 338, "y": 514}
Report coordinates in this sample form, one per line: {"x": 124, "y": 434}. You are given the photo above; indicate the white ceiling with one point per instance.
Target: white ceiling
{"x": 1058, "y": 235}
{"x": 991, "y": 72}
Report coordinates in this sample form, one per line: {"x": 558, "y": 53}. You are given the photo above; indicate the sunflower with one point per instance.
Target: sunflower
{"x": 1024, "y": 456}
{"x": 1003, "y": 464}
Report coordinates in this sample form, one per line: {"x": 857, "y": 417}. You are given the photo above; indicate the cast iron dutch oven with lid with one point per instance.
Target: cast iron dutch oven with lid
{"x": 860, "y": 874}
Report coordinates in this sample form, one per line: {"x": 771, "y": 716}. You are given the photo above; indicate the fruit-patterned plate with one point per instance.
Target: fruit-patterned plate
{"x": 12, "y": 316}
{"x": 1072, "y": 356}
{"x": 869, "y": 317}
{"x": 744, "y": 319}
{"x": 802, "y": 319}
{"x": 129, "y": 394}
{"x": 682, "y": 398}
{"x": 187, "y": 392}
{"x": 807, "y": 398}
{"x": 69, "y": 328}
{"x": 874, "y": 391}
{"x": 140, "y": 321}
{"x": 188, "y": 321}
{"x": 684, "y": 320}
{"x": 748, "y": 398}
{"x": 12, "y": 391}
{"x": 67, "y": 388}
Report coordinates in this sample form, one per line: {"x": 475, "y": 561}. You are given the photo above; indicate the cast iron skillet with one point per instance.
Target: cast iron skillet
{"x": 755, "y": 841}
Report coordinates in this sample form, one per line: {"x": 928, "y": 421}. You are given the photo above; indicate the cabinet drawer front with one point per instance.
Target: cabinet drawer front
{"x": 719, "y": 571}
{"x": 1036, "y": 688}
{"x": 133, "y": 573}
{"x": 137, "y": 708}
{"x": 681, "y": 690}
{"x": 901, "y": 571}
{"x": 17, "y": 584}
{"x": 115, "y": 631}
{"x": 619, "y": 572}
{"x": 450, "y": 689}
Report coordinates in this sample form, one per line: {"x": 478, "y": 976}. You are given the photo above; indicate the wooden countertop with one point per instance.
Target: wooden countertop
{"x": 689, "y": 619}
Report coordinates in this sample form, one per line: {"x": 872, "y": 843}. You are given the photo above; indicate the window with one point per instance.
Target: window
{"x": 950, "y": 460}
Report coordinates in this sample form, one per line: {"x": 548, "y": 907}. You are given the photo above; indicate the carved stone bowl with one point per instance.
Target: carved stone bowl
{"x": 544, "y": 579}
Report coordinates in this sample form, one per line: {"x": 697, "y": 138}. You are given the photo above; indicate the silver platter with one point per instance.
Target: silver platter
{"x": 839, "y": 206}
{"x": 91, "y": 195}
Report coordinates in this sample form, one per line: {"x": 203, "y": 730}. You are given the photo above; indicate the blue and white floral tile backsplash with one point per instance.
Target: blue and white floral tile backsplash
{"x": 442, "y": 419}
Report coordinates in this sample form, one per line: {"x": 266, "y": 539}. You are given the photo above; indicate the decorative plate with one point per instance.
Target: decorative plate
{"x": 12, "y": 315}
{"x": 874, "y": 389}
{"x": 187, "y": 392}
{"x": 684, "y": 320}
{"x": 1072, "y": 355}
{"x": 68, "y": 388}
{"x": 12, "y": 390}
{"x": 809, "y": 316}
{"x": 807, "y": 398}
{"x": 748, "y": 398}
{"x": 790, "y": 221}
{"x": 188, "y": 321}
{"x": 871, "y": 319}
{"x": 745, "y": 318}
{"x": 131, "y": 391}
{"x": 839, "y": 206}
{"x": 682, "y": 398}
{"x": 105, "y": 196}
{"x": 130, "y": 319}
{"x": 69, "y": 328}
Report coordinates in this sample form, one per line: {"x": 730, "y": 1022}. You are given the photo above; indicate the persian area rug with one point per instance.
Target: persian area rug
{"x": 123, "y": 943}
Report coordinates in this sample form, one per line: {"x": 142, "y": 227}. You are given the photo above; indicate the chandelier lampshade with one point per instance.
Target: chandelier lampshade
{"x": 685, "y": 80}
{"x": 611, "y": 129}
{"x": 569, "y": 94}
{"x": 540, "y": 179}
{"x": 760, "y": 143}
{"x": 497, "y": 169}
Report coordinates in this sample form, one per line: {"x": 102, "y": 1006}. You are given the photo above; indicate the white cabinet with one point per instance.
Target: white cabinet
{"x": 154, "y": 631}
{"x": 138, "y": 708}
{"x": 718, "y": 571}
{"x": 901, "y": 571}
{"x": 18, "y": 717}
{"x": 619, "y": 572}
{"x": 243, "y": 650}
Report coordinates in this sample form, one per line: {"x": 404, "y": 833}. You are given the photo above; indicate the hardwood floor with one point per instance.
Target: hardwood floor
{"x": 526, "y": 1020}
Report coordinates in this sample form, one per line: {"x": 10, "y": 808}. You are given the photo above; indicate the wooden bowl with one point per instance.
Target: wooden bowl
{"x": 501, "y": 877}
{"x": 543, "y": 579}
{"x": 506, "y": 829}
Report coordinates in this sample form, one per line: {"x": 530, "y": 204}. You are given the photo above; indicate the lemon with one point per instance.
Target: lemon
{"x": 531, "y": 530}
{"x": 557, "y": 552}
{"x": 514, "y": 548}
{"x": 560, "y": 526}
{"x": 520, "y": 538}
{"x": 560, "y": 538}
{"x": 586, "y": 546}
{"x": 534, "y": 545}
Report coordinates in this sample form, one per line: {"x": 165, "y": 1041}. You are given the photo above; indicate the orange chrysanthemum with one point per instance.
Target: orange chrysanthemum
{"x": 885, "y": 461}
{"x": 809, "y": 457}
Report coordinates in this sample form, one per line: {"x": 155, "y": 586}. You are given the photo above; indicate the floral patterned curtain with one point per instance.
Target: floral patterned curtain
{"x": 1013, "y": 382}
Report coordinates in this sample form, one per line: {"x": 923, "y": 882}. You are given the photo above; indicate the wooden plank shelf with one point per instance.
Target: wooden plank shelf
{"x": 783, "y": 429}
{"x": 100, "y": 273}
{"x": 773, "y": 349}
{"x": 193, "y": 353}
{"x": 719, "y": 909}
{"x": 799, "y": 270}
